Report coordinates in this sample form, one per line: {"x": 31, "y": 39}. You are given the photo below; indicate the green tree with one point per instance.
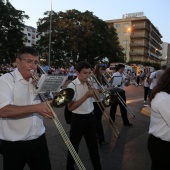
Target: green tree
{"x": 79, "y": 36}
{"x": 11, "y": 26}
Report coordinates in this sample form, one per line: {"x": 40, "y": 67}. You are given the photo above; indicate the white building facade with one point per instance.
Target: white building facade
{"x": 31, "y": 35}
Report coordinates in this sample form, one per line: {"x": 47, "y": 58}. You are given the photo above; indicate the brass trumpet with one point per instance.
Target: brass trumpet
{"x": 102, "y": 105}
{"x": 61, "y": 99}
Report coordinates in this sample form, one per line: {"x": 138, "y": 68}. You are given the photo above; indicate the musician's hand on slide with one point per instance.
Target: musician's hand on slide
{"x": 45, "y": 110}
{"x": 89, "y": 93}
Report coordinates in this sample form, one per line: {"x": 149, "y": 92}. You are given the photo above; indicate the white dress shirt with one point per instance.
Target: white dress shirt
{"x": 80, "y": 90}
{"x": 15, "y": 90}
{"x": 160, "y": 116}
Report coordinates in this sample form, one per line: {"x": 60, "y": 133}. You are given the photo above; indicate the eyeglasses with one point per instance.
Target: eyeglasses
{"x": 103, "y": 65}
{"x": 30, "y": 61}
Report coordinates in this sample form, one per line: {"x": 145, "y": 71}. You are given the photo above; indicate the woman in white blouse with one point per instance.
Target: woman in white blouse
{"x": 159, "y": 129}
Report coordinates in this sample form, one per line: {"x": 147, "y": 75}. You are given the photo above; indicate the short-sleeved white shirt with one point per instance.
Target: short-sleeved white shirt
{"x": 154, "y": 80}
{"x": 15, "y": 90}
{"x": 160, "y": 116}
{"x": 80, "y": 90}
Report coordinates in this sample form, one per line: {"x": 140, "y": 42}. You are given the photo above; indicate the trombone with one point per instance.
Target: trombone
{"x": 62, "y": 98}
{"x": 103, "y": 104}
{"x": 116, "y": 90}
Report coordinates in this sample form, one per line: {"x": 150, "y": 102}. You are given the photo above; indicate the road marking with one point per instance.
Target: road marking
{"x": 134, "y": 100}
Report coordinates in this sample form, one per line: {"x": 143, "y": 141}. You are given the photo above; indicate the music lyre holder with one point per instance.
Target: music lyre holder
{"x": 116, "y": 80}
{"x": 50, "y": 83}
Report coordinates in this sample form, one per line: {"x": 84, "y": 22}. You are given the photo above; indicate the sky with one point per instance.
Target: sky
{"x": 157, "y": 11}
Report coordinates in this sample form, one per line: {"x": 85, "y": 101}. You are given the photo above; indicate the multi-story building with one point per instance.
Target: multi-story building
{"x": 140, "y": 39}
{"x": 165, "y": 53}
{"x": 31, "y": 35}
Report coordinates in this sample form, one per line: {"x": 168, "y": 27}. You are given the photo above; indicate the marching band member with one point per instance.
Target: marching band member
{"x": 120, "y": 69}
{"x": 83, "y": 121}
{"x": 100, "y": 69}
{"x": 21, "y": 117}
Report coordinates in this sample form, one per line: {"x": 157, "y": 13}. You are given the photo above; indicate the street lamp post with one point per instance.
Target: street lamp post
{"x": 49, "y": 53}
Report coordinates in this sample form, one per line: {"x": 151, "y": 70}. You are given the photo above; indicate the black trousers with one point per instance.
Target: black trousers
{"x": 98, "y": 118}
{"x": 34, "y": 153}
{"x": 146, "y": 90}
{"x": 160, "y": 153}
{"x": 123, "y": 110}
{"x": 84, "y": 125}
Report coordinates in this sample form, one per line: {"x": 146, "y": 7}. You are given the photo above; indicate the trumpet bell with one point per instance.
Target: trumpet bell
{"x": 63, "y": 97}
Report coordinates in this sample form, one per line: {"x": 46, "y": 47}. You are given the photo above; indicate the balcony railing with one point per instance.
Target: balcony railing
{"x": 138, "y": 53}
{"x": 139, "y": 36}
{"x": 141, "y": 27}
{"x": 139, "y": 45}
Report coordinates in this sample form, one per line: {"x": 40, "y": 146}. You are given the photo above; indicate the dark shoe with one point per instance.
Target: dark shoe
{"x": 128, "y": 124}
{"x": 103, "y": 143}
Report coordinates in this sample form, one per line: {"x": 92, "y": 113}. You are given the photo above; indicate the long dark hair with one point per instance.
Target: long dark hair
{"x": 163, "y": 84}
{"x": 99, "y": 77}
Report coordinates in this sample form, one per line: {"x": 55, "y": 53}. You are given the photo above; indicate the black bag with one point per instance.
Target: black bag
{"x": 68, "y": 115}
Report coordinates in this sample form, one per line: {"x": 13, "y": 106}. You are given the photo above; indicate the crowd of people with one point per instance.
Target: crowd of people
{"x": 22, "y": 132}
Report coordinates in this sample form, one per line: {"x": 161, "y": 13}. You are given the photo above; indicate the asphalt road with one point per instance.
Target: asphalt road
{"x": 129, "y": 152}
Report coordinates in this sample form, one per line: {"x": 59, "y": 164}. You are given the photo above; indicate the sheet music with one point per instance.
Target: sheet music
{"x": 50, "y": 83}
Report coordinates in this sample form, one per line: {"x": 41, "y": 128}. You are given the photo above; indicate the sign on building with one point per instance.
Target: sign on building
{"x": 136, "y": 14}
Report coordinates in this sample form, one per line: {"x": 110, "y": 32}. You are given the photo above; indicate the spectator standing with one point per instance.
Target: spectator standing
{"x": 71, "y": 72}
{"x": 159, "y": 129}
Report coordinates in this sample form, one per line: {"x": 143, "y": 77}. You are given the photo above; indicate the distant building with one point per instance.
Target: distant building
{"x": 31, "y": 35}
{"x": 140, "y": 39}
{"x": 165, "y": 54}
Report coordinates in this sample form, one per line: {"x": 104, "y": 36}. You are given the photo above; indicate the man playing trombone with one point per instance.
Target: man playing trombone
{"x": 122, "y": 97}
{"x": 21, "y": 116}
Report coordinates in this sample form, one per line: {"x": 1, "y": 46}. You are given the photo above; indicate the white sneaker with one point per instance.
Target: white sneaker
{"x": 144, "y": 101}
{"x": 146, "y": 105}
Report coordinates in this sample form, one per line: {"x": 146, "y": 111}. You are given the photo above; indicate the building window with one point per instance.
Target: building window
{"x": 29, "y": 34}
{"x": 125, "y": 41}
{"x": 125, "y": 33}
{"x": 37, "y": 36}
{"x": 28, "y": 41}
{"x": 117, "y": 26}
{"x": 126, "y": 25}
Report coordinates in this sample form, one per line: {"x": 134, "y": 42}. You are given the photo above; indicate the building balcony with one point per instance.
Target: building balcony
{"x": 139, "y": 45}
{"x": 138, "y": 53}
{"x": 140, "y": 36}
{"x": 137, "y": 27}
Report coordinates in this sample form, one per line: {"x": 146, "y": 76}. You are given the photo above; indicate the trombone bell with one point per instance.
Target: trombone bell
{"x": 63, "y": 97}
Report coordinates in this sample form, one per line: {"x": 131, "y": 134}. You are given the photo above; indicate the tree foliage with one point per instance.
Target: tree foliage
{"x": 11, "y": 26}
{"x": 78, "y": 36}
